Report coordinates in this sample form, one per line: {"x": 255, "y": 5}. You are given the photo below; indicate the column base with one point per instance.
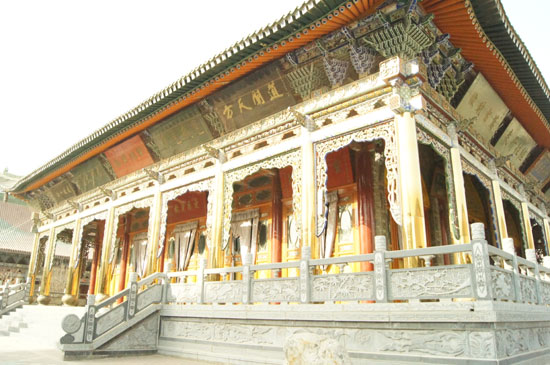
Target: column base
{"x": 69, "y": 300}
{"x": 43, "y": 299}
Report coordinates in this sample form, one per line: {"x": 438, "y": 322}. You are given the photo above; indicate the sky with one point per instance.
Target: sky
{"x": 69, "y": 67}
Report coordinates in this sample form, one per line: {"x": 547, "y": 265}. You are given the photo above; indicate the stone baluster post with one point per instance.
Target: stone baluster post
{"x": 200, "y": 280}
{"x": 132, "y": 295}
{"x": 531, "y": 255}
{"x": 247, "y": 281}
{"x": 480, "y": 258}
{"x": 508, "y": 246}
{"x": 90, "y": 319}
{"x": 305, "y": 287}
{"x": 380, "y": 275}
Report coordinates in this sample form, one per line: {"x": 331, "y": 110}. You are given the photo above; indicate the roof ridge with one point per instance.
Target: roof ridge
{"x": 179, "y": 83}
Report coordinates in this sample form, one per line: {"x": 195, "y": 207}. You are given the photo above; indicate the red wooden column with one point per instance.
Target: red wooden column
{"x": 276, "y": 220}
{"x": 97, "y": 254}
{"x": 365, "y": 203}
{"x": 125, "y": 252}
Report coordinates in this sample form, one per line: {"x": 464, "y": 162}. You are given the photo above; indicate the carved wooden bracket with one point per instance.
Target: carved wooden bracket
{"x": 155, "y": 175}
{"x": 108, "y": 193}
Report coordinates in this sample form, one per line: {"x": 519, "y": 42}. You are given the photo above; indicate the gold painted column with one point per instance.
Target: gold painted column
{"x": 460, "y": 195}
{"x": 31, "y": 276}
{"x": 308, "y": 189}
{"x": 156, "y": 210}
{"x": 502, "y": 231}
{"x": 71, "y": 288}
{"x": 102, "y": 275}
{"x": 412, "y": 206}
{"x": 215, "y": 254}
{"x": 526, "y": 220}
{"x": 547, "y": 233}
{"x": 44, "y": 297}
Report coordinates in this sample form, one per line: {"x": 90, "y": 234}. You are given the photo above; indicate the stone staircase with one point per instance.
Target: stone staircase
{"x": 40, "y": 325}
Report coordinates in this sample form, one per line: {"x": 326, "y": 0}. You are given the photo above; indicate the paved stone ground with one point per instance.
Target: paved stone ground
{"x": 37, "y": 344}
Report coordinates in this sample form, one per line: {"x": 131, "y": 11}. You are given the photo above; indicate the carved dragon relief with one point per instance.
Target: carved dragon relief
{"x": 292, "y": 158}
{"x": 204, "y": 185}
{"x": 385, "y": 131}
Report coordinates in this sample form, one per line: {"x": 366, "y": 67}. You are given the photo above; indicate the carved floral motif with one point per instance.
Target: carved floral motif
{"x": 223, "y": 292}
{"x": 292, "y": 158}
{"x": 502, "y": 284}
{"x": 385, "y": 131}
{"x": 434, "y": 282}
{"x": 528, "y": 290}
{"x": 204, "y": 185}
{"x": 109, "y": 320}
{"x": 342, "y": 287}
{"x": 285, "y": 290}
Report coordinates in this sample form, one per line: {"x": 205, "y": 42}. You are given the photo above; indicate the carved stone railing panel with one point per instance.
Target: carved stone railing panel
{"x": 545, "y": 292}
{"x": 151, "y": 295}
{"x": 431, "y": 283}
{"x": 110, "y": 319}
{"x": 16, "y": 297}
{"x": 357, "y": 286}
{"x": 204, "y": 185}
{"x": 293, "y": 159}
{"x": 528, "y": 289}
{"x": 385, "y": 131}
{"x": 276, "y": 290}
{"x": 502, "y": 283}
{"x": 137, "y": 204}
{"x": 183, "y": 293}
{"x": 223, "y": 292}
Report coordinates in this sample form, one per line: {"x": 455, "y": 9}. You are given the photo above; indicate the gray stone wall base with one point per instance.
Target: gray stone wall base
{"x": 139, "y": 339}
{"x": 466, "y": 332}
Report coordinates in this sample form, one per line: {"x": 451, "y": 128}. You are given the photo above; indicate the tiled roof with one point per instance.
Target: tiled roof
{"x": 15, "y": 227}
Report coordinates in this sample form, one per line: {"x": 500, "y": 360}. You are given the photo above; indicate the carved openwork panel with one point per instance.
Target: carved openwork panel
{"x": 426, "y": 139}
{"x": 149, "y": 296}
{"x": 138, "y": 204}
{"x": 223, "y": 292}
{"x": 110, "y": 320}
{"x": 357, "y": 286}
{"x": 292, "y": 158}
{"x": 471, "y": 170}
{"x": 434, "y": 283}
{"x": 204, "y": 185}
{"x": 528, "y": 289}
{"x": 276, "y": 290}
{"x": 53, "y": 240}
{"x": 183, "y": 293}
{"x": 385, "y": 131}
{"x": 83, "y": 223}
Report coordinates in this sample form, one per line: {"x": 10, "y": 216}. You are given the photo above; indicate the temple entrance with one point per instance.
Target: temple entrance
{"x": 259, "y": 202}
{"x": 130, "y": 249}
{"x": 186, "y": 232}
{"x": 356, "y": 206}
{"x": 90, "y": 252}
{"x": 55, "y": 271}
{"x": 478, "y": 202}
{"x": 436, "y": 202}
{"x": 514, "y": 227}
